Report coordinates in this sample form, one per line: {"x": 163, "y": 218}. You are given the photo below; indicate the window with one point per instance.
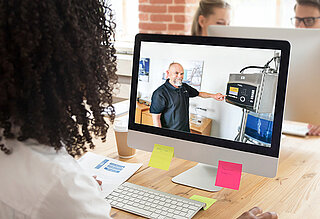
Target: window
{"x": 126, "y": 18}
{"x": 254, "y": 13}
{"x": 262, "y": 13}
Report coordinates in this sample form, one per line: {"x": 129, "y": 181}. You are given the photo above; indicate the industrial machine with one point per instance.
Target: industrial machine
{"x": 255, "y": 94}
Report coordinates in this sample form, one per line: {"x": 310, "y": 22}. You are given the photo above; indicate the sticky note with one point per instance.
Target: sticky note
{"x": 161, "y": 157}
{"x": 208, "y": 201}
{"x": 228, "y": 175}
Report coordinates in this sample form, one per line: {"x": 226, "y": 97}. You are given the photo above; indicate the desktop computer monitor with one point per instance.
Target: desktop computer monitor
{"x": 302, "y": 101}
{"x": 251, "y": 72}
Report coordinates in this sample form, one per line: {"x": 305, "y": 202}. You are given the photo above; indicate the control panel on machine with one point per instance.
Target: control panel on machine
{"x": 241, "y": 95}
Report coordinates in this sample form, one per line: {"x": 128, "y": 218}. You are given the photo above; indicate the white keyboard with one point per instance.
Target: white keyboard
{"x": 295, "y": 129}
{"x": 151, "y": 203}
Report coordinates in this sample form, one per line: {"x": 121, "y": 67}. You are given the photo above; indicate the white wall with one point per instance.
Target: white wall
{"x": 219, "y": 62}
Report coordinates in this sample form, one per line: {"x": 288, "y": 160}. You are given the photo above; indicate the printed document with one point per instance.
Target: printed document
{"x": 111, "y": 172}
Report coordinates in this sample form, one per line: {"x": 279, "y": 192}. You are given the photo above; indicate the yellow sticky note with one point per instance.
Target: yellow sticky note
{"x": 208, "y": 201}
{"x": 161, "y": 157}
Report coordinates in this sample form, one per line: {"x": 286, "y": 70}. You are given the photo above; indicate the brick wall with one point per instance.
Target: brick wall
{"x": 166, "y": 16}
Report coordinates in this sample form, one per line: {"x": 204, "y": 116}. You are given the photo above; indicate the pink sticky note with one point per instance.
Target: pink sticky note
{"x": 228, "y": 175}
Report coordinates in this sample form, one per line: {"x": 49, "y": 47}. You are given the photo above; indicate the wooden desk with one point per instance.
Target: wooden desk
{"x": 203, "y": 129}
{"x": 143, "y": 116}
{"x": 293, "y": 193}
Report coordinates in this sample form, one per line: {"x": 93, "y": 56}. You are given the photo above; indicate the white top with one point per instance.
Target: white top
{"x": 38, "y": 182}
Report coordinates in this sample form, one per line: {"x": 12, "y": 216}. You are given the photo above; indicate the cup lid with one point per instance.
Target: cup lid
{"x": 121, "y": 124}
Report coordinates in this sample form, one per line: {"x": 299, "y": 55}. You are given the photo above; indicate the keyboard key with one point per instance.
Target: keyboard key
{"x": 119, "y": 205}
{"x": 164, "y": 213}
{"x": 185, "y": 206}
{"x": 134, "y": 209}
{"x": 184, "y": 210}
{"x": 193, "y": 207}
{"x": 170, "y": 215}
{"x": 154, "y": 215}
{"x": 189, "y": 213}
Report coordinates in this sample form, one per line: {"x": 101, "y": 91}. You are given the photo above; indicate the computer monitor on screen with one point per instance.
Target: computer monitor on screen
{"x": 252, "y": 73}
{"x": 302, "y": 100}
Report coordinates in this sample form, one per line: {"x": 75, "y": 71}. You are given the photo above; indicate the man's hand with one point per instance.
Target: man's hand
{"x": 219, "y": 96}
{"x": 314, "y": 129}
{"x": 256, "y": 213}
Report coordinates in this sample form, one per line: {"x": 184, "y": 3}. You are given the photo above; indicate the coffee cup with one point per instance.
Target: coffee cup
{"x": 121, "y": 132}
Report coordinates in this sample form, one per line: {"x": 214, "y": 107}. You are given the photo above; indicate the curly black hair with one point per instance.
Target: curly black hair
{"x": 57, "y": 71}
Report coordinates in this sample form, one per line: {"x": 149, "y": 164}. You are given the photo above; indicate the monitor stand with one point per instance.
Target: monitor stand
{"x": 201, "y": 176}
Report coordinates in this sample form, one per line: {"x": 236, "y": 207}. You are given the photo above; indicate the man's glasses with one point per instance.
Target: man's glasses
{"x": 307, "y": 21}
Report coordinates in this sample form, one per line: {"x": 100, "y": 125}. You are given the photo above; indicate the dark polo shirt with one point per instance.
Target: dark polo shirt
{"x": 173, "y": 104}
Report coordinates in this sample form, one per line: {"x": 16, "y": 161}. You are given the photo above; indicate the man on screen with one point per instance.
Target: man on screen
{"x": 170, "y": 102}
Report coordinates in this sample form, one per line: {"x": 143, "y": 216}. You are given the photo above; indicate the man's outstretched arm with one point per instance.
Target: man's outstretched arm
{"x": 217, "y": 96}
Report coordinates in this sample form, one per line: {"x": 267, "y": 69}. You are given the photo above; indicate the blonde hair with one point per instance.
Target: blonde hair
{"x": 205, "y": 9}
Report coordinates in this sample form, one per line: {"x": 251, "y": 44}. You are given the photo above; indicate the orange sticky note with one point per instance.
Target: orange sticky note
{"x": 228, "y": 175}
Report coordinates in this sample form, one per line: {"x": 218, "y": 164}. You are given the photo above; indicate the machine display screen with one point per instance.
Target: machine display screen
{"x": 234, "y": 91}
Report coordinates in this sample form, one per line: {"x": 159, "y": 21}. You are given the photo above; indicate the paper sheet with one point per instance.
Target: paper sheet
{"x": 161, "y": 157}
{"x": 111, "y": 172}
{"x": 228, "y": 175}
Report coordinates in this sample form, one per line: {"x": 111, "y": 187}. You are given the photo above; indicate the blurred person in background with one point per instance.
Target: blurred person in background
{"x": 307, "y": 15}
{"x": 210, "y": 12}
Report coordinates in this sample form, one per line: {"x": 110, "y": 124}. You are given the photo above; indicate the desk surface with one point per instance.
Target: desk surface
{"x": 293, "y": 193}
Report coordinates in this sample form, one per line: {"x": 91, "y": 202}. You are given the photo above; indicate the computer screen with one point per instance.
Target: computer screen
{"x": 243, "y": 126}
{"x": 304, "y": 70}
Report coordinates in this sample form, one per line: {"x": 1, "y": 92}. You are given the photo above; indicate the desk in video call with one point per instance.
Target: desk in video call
{"x": 143, "y": 116}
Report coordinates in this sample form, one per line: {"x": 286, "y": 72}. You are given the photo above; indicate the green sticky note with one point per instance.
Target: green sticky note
{"x": 208, "y": 201}
{"x": 161, "y": 157}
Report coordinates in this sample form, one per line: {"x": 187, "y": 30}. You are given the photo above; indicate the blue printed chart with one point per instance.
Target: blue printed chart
{"x": 116, "y": 168}
{"x": 111, "y": 172}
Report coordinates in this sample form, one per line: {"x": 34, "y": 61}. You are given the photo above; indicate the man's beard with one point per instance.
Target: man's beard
{"x": 178, "y": 83}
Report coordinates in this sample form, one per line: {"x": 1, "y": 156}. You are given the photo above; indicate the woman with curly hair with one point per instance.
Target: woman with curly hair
{"x": 57, "y": 72}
